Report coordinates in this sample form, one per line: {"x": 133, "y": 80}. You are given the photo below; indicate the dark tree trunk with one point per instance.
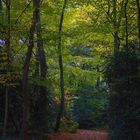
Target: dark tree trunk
{"x": 11, "y": 116}
{"x": 138, "y": 10}
{"x": 37, "y": 65}
{"x": 126, "y": 25}
{"x": 60, "y": 113}
{"x": 116, "y": 28}
{"x": 109, "y": 6}
{"x": 43, "y": 65}
{"x": 0, "y": 6}
{"x": 25, "y": 93}
{"x": 6, "y": 112}
{"x": 8, "y": 51}
{"x": 116, "y": 42}
{"x": 41, "y": 105}
{"x": 116, "y": 18}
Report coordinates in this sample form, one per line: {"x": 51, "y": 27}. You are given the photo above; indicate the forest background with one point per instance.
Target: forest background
{"x": 68, "y": 64}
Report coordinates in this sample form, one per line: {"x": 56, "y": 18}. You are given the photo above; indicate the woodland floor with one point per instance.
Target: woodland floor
{"x": 81, "y": 135}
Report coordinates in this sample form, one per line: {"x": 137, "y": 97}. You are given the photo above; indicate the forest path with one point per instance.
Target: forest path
{"x": 81, "y": 135}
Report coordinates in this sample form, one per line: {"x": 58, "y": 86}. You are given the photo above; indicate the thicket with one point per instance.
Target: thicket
{"x": 123, "y": 78}
{"x": 90, "y": 104}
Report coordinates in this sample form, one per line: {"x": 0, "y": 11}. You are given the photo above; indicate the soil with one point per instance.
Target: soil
{"x": 80, "y": 135}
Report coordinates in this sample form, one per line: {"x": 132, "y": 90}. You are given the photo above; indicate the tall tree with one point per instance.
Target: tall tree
{"x": 114, "y": 16}
{"x": 117, "y": 18}
{"x": 60, "y": 113}
{"x": 138, "y": 11}
{"x": 116, "y": 28}
{"x": 42, "y": 98}
{"x": 8, "y": 50}
{"x": 0, "y": 6}
{"x": 25, "y": 92}
{"x": 43, "y": 65}
{"x": 126, "y": 24}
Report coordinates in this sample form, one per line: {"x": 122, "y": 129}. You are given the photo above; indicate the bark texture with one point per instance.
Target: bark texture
{"x": 61, "y": 110}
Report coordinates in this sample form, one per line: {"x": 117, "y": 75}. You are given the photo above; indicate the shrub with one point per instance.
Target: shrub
{"x": 123, "y": 78}
{"x": 68, "y": 125}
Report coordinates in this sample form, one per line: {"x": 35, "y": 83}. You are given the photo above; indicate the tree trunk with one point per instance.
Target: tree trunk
{"x": 6, "y": 112}
{"x": 116, "y": 30}
{"x": 37, "y": 65}
{"x": 116, "y": 42}
{"x": 138, "y": 10}
{"x": 0, "y": 6}
{"x": 43, "y": 65}
{"x": 108, "y": 8}
{"x": 25, "y": 93}
{"x": 42, "y": 98}
{"x": 8, "y": 50}
{"x": 60, "y": 113}
{"x": 11, "y": 116}
{"x": 126, "y": 25}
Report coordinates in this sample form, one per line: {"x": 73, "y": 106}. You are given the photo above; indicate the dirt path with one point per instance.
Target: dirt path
{"x": 81, "y": 135}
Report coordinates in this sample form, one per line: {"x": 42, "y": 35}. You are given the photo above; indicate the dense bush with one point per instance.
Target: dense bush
{"x": 123, "y": 77}
{"x": 67, "y": 125}
{"x": 90, "y": 106}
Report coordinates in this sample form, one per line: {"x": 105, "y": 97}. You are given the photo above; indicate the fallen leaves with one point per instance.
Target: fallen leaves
{"x": 80, "y": 135}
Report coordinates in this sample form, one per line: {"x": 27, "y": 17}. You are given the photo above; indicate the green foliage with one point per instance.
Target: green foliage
{"x": 68, "y": 125}
{"x": 123, "y": 77}
{"x": 90, "y": 104}
{"x": 87, "y": 44}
